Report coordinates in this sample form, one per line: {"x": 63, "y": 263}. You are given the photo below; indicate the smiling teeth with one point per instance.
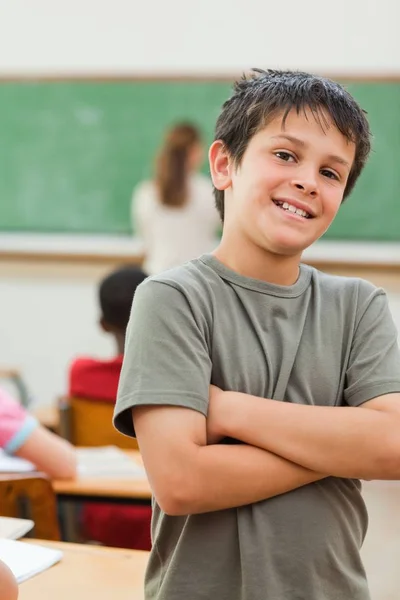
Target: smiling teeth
{"x": 293, "y": 209}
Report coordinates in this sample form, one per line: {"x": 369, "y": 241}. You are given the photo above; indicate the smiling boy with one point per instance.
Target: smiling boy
{"x": 304, "y": 367}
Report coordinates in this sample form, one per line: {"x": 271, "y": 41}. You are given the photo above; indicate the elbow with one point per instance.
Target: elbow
{"x": 391, "y": 464}
{"x": 386, "y": 465}
{"x": 67, "y": 469}
{"x": 175, "y": 504}
{"x": 178, "y": 498}
{"x": 67, "y": 472}
{"x": 172, "y": 508}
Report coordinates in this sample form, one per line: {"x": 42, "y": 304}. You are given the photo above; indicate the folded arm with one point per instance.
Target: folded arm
{"x": 168, "y": 361}
{"x": 360, "y": 442}
{"x": 189, "y": 477}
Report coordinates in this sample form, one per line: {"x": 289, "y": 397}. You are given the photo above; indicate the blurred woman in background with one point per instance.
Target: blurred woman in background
{"x": 174, "y": 214}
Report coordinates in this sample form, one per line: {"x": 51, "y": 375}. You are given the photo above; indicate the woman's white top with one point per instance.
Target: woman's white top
{"x": 174, "y": 235}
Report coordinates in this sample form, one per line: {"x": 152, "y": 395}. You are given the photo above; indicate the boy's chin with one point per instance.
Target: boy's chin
{"x": 290, "y": 247}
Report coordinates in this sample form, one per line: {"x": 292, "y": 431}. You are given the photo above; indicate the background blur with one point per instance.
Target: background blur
{"x": 86, "y": 90}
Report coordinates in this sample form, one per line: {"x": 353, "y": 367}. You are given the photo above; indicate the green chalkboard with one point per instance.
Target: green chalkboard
{"x": 71, "y": 152}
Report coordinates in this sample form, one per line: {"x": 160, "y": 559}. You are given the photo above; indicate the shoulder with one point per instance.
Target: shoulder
{"x": 80, "y": 370}
{"x": 87, "y": 365}
{"x": 95, "y": 378}
{"x": 144, "y": 191}
{"x": 348, "y": 295}
{"x": 189, "y": 279}
{"x": 187, "y": 288}
{"x": 343, "y": 286}
{"x": 82, "y": 364}
{"x": 144, "y": 187}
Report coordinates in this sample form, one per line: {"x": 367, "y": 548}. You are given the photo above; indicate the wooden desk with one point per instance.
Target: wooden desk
{"x": 87, "y": 572}
{"x": 110, "y": 489}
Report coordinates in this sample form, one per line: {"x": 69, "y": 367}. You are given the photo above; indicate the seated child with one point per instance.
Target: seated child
{"x": 21, "y": 435}
{"x": 119, "y": 526}
{"x": 98, "y": 378}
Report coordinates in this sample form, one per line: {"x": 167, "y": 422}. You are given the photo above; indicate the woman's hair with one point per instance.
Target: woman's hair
{"x": 172, "y": 164}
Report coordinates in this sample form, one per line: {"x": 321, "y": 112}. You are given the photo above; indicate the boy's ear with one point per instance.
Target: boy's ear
{"x": 220, "y": 165}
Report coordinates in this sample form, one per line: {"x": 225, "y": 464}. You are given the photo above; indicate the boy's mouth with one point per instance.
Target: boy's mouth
{"x": 284, "y": 205}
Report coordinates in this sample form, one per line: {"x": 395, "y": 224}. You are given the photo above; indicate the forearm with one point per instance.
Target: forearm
{"x": 228, "y": 476}
{"x": 340, "y": 441}
{"x": 51, "y": 454}
{"x": 189, "y": 476}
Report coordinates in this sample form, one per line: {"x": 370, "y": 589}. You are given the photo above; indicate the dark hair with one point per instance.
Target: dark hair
{"x": 116, "y": 293}
{"x": 172, "y": 164}
{"x": 263, "y": 95}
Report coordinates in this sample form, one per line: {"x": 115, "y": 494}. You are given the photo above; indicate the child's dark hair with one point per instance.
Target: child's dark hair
{"x": 116, "y": 293}
{"x": 262, "y": 96}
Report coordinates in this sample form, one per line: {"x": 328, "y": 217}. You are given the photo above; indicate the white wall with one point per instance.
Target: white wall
{"x": 48, "y": 316}
{"x": 207, "y": 36}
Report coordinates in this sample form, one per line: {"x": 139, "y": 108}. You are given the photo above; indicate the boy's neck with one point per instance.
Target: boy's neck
{"x": 259, "y": 264}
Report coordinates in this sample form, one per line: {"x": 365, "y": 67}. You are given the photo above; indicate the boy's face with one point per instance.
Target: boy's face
{"x": 289, "y": 185}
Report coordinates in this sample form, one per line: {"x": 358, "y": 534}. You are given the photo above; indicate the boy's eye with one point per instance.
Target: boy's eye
{"x": 286, "y": 156}
{"x": 329, "y": 174}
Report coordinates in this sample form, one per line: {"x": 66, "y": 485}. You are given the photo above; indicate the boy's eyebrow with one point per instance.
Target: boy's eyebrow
{"x": 291, "y": 138}
{"x": 301, "y": 144}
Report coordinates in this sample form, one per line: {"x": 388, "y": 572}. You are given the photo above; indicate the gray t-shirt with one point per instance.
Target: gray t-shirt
{"x": 326, "y": 341}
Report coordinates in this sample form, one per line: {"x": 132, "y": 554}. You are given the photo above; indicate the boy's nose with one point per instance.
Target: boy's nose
{"x": 308, "y": 187}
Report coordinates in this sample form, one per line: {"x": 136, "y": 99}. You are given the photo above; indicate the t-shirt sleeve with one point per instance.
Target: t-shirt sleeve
{"x": 16, "y": 425}
{"x": 374, "y": 363}
{"x": 167, "y": 359}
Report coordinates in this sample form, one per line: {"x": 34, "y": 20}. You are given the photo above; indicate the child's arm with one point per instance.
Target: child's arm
{"x": 23, "y": 436}
{"x": 49, "y": 453}
{"x": 189, "y": 477}
{"x": 340, "y": 441}
{"x": 164, "y": 385}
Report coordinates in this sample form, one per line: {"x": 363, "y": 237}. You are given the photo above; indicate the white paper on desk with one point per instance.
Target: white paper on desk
{"x": 14, "y": 528}
{"x": 26, "y": 560}
{"x": 13, "y": 464}
{"x": 107, "y": 461}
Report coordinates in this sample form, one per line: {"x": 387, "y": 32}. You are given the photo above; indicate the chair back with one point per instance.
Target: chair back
{"x": 89, "y": 423}
{"x": 30, "y": 496}
{"x": 17, "y": 381}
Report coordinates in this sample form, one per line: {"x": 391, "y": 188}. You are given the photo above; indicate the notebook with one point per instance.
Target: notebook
{"x": 107, "y": 461}
{"x": 26, "y": 560}
{"x": 14, "y": 528}
{"x": 13, "y": 464}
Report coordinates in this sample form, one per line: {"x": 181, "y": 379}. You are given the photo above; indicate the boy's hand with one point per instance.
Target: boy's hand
{"x": 215, "y": 417}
